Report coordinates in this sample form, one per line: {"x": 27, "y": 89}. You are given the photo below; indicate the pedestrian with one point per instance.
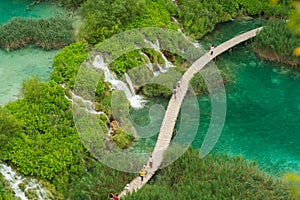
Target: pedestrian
{"x": 116, "y": 197}
{"x": 174, "y": 93}
{"x": 127, "y": 189}
{"x": 145, "y": 169}
{"x": 111, "y": 196}
{"x": 150, "y": 162}
{"x": 211, "y": 48}
{"x": 178, "y": 85}
{"x": 142, "y": 174}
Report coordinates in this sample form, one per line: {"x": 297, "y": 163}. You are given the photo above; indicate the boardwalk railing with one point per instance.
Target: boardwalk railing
{"x": 168, "y": 124}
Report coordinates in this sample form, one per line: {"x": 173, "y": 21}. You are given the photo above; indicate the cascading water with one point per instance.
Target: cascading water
{"x": 15, "y": 180}
{"x": 129, "y": 82}
{"x": 136, "y": 101}
{"x": 156, "y": 47}
{"x": 87, "y": 105}
{"x": 149, "y": 64}
{"x": 196, "y": 44}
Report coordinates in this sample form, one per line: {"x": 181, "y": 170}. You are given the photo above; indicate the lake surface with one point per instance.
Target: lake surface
{"x": 18, "y": 65}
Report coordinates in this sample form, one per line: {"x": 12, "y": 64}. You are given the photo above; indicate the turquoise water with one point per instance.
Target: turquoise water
{"x": 263, "y": 107}
{"x": 15, "y": 66}
{"x": 263, "y": 113}
{"x": 18, "y": 8}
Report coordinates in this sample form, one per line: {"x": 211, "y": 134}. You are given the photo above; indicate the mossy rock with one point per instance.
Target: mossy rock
{"x": 122, "y": 139}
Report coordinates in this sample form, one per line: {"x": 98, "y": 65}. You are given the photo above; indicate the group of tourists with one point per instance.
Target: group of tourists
{"x": 144, "y": 171}
{"x": 113, "y": 196}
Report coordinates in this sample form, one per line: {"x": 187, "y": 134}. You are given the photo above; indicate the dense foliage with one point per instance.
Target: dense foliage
{"x": 198, "y": 18}
{"x": 98, "y": 182}
{"x": 277, "y": 43}
{"x": 294, "y": 180}
{"x": 67, "y": 62}
{"x": 70, "y": 4}
{"x": 104, "y": 18}
{"x": 214, "y": 177}
{"x": 52, "y": 33}
{"x": 126, "y": 62}
{"x": 48, "y": 146}
{"x": 9, "y": 129}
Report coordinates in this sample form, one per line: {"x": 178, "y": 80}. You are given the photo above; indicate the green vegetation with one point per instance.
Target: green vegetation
{"x": 214, "y": 177}
{"x": 48, "y": 145}
{"x": 122, "y": 139}
{"x": 52, "y": 33}
{"x": 38, "y": 135}
{"x": 70, "y": 4}
{"x": 67, "y": 63}
{"x": 104, "y": 18}
{"x": 97, "y": 182}
{"x": 6, "y": 193}
{"x": 294, "y": 180}
{"x": 126, "y": 62}
{"x": 197, "y": 18}
{"x": 277, "y": 43}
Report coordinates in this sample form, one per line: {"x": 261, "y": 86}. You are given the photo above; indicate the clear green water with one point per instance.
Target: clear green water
{"x": 18, "y": 8}
{"x": 15, "y": 66}
{"x": 263, "y": 107}
{"x": 263, "y": 113}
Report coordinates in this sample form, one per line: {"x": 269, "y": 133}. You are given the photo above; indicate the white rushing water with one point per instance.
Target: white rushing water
{"x": 136, "y": 101}
{"x": 156, "y": 47}
{"x": 195, "y": 43}
{"x": 15, "y": 180}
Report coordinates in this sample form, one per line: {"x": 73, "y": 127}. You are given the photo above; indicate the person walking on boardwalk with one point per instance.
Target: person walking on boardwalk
{"x": 211, "y": 48}
{"x": 150, "y": 162}
{"x": 178, "y": 85}
{"x": 174, "y": 93}
{"x": 127, "y": 189}
{"x": 142, "y": 174}
{"x": 145, "y": 169}
{"x": 116, "y": 197}
{"x": 111, "y": 196}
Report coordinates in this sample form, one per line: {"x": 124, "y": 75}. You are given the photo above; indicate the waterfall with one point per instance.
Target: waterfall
{"x": 100, "y": 64}
{"x": 149, "y": 64}
{"x": 88, "y": 105}
{"x": 136, "y": 101}
{"x": 129, "y": 82}
{"x": 14, "y": 180}
{"x": 196, "y": 44}
{"x": 156, "y": 47}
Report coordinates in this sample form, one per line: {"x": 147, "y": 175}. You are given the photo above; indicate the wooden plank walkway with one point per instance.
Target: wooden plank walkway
{"x": 173, "y": 108}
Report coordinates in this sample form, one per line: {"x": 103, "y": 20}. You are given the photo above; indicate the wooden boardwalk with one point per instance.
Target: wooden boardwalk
{"x": 173, "y": 108}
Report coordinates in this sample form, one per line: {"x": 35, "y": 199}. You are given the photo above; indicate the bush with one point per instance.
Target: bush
{"x": 277, "y": 43}
{"x": 67, "y": 63}
{"x": 52, "y": 33}
{"x": 122, "y": 139}
{"x": 214, "y": 177}
{"x": 48, "y": 146}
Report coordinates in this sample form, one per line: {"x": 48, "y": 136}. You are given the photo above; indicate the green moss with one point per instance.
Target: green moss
{"x": 122, "y": 139}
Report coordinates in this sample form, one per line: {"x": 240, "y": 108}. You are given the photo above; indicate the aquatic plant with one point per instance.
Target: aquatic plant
{"x": 213, "y": 177}
{"x": 277, "y": 43}
{"x": 52, "y": 33}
